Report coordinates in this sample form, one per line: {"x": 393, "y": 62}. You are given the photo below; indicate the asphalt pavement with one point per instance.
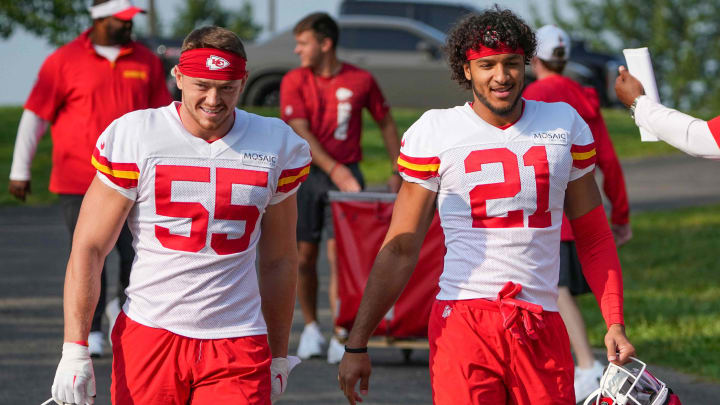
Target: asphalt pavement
{"x": 34, "y": 249}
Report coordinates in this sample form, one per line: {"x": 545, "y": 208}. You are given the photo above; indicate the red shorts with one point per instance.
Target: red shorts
{"x": 154, "y": 366}
{"x": 475, "y": 360}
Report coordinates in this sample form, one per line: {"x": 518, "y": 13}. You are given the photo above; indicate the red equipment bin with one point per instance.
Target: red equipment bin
{"x": 361, "y": 221}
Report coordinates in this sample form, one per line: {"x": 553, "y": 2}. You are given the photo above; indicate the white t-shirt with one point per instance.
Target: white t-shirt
{"x": 500, "y": 194}
{"x": 197, "y": 213}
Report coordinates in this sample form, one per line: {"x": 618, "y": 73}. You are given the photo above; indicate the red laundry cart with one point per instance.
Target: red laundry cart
{"x": 361, "y": 221}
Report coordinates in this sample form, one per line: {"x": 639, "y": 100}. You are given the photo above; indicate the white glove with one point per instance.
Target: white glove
{"x": 280, "y": 369}
{"x": 74, "y": 379}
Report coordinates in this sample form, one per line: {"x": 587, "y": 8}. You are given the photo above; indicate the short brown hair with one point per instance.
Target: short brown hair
{"x": 214, "y": 37}
{"x": 321, "y": 24}
{"x": 556, "y": 67}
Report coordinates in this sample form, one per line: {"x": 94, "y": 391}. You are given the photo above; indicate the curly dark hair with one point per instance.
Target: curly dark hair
{"x": 489, "y": 28}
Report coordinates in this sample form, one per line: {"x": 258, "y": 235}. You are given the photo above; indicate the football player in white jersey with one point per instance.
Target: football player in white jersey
{"x": 500, "y": 171}
{"x": 204, "y": 186}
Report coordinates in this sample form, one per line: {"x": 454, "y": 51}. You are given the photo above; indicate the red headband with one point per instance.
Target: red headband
{"x": 211, "y": 63}
{"x": 483, "y": 51}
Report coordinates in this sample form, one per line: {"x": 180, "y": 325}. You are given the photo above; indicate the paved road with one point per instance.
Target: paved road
{"x": 34, "y": 248}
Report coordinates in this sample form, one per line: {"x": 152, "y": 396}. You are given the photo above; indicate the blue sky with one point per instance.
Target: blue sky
{"x": 23, "y": 53}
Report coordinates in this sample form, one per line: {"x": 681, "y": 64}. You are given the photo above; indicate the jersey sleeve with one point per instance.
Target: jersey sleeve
{"x": 48, "y": 92}
{"x": 417, "y": 163}
{"x": 292, "y": 104}
{"x": 295, "y": 169}
{"x": 582, "y": 149}
{"x": 116, "y": 161}
{"x": 376, "y": 103}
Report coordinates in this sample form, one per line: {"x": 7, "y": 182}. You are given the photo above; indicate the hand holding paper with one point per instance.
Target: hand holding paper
{"x": 640, "y": 65}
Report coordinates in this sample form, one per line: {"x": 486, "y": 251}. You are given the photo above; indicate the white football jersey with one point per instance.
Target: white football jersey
{"x": 197, "y": 213}
{"x": 500, "y": 194}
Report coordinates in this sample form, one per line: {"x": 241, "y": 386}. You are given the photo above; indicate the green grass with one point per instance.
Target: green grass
{"x": 375, "y": 164}
{"x": 671, "y": 276}
{"x": 9, "y": 118}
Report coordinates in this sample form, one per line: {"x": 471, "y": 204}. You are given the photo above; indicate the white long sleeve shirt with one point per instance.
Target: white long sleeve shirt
{"x": 30, "y": 130}
{"x": 691, "y": 135}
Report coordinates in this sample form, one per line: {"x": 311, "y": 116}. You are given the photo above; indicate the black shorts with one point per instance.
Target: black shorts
{"x": 314, "y": 213}
{"x": 571, "y": 275}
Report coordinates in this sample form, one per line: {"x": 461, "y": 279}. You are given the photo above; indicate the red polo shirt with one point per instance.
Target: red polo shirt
{"x": 81, "y": 93}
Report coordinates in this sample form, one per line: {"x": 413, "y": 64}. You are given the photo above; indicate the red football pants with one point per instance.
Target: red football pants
{"x": 475, "y": 360}
{"x": 154, "y": 366}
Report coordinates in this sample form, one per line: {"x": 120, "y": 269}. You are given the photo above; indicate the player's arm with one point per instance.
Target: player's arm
{"x": 689, "y": 134}
{"x": 394, "y": 264}
{"x": 30, "y": 130}
{"x": 598, "y": 257}
{"x": 277, "y": 275}
{"x": 101, "y": 218}
{"x": 338, "y": 172}
{"x": 389, "y": 133}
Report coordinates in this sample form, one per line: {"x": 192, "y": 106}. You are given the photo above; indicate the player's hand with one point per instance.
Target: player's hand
{"x": 280, "y": 369}
{"x": 394, "y": 183}
{"x": 619, "y": 348}
{"x": 343, "y": 178}
{"x": 19, "y": 188}
{"x": 354, "y": 367}
{"x": 621, "y": 233}
{"x": 74, "y": 379}
{"x": 627, "y": 87}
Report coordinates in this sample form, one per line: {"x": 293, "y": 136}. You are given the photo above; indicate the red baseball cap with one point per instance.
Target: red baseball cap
{"x": 128, "y": 13}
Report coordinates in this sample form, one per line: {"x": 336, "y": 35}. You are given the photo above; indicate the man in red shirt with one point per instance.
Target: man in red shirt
{"x": 322, "y": 101}
{"x": 81, "y": 88}
{"x": 551, "y": 86}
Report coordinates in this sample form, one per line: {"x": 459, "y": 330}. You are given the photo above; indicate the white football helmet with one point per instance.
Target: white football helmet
{"x": 631, "y": 384}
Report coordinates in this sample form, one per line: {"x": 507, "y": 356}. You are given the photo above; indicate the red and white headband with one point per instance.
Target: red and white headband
{"x": 122, "y": 9}
{"x": 482, "y": 51}
{"x": 211, "y": 63}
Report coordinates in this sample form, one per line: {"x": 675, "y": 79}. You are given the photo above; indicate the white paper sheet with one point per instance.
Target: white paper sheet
{"x": 640, "y": 65}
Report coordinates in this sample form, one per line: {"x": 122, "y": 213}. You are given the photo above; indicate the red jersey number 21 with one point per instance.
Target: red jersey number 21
{"x": 196, "y": 212}
{"x": 536, "y": 157}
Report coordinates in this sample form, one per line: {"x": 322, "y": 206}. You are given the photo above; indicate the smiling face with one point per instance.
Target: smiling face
{"x": 497, "y": 83}
{"x": 208, "y": 105}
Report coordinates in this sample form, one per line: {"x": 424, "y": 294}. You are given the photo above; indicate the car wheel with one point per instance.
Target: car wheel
{"x": 265, "y": 92}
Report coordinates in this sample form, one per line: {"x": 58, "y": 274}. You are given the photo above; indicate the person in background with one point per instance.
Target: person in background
{"x": 551, "y": 86}
{"x": 322, "y": 101}
{"x": 80, "y": 89}
{"x": 691, "y": 135}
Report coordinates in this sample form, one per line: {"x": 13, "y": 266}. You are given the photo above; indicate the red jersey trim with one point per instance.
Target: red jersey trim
{"x": 124, "y": 175}
{"x": 291, "y": 178}
{"x": 714, "y": 125}
{"x": 583, "y": 155}
{"x": 421, "y": 168}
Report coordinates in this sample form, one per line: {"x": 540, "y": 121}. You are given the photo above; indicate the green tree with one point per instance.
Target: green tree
{"x": 682, "y": 36}
{"x": 57, "y": 20}
{"x": 197, "y": 13}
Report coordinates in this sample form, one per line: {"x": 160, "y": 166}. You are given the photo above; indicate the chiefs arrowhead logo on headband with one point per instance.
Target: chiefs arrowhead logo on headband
{"x": 211, "y": 63}
{"x": 215, "y": 62}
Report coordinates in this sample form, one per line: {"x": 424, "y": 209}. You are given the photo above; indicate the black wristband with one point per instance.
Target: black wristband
{"x": 355, "y": 349}
{"x": 396, "y": 172}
